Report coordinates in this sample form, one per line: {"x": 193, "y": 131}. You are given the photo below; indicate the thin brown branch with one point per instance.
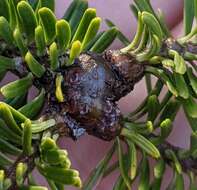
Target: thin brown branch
{"x": 188, "y": 163}
{"x": 29, "y": 161}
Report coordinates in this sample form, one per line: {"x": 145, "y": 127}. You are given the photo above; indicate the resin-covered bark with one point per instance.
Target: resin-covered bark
{"x": 91, "y": 88}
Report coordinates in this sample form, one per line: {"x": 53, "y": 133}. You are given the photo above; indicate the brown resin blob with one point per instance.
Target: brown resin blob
{"x": 91, "y": 87}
